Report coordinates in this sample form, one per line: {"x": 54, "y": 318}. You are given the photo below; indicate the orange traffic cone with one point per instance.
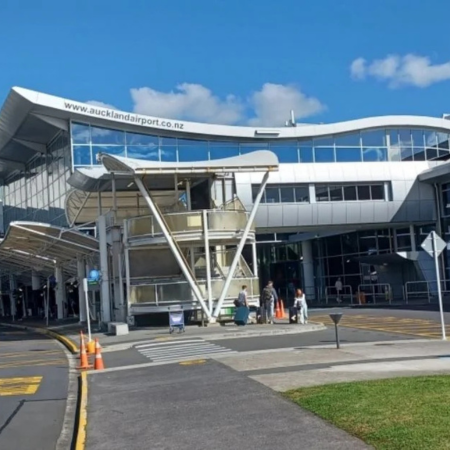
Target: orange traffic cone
{"x": 84, "y": 363}
{"x": 277, "y": 311}
{"x": 98, "y": 364}
{"x": 281, "y": 309}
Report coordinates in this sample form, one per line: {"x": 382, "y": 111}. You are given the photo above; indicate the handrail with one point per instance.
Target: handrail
{"x": 423, "y": 291}
{"x": 155, "y": 291}
{"x": 385, "y": 288}
{"x": 188, "y": 221}
{"x": 346, "y": 292}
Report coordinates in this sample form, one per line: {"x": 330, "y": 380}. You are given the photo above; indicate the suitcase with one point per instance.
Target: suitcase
{"x": 241, "y": 315}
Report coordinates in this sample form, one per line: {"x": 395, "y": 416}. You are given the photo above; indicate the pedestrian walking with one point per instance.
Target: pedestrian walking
{"x": 268, "y": 298}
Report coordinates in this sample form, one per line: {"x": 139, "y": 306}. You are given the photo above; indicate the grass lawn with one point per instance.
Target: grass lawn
{"x": 394, "y": 414}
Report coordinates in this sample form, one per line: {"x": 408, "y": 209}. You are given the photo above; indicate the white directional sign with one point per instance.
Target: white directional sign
{"x": 427, "y": 244}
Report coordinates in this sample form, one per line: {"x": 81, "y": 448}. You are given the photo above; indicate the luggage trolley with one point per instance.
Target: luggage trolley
{"x": 176, "y": 319}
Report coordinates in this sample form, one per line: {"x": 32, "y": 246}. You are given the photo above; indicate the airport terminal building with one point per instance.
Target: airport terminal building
{"x": 173, "y": 212}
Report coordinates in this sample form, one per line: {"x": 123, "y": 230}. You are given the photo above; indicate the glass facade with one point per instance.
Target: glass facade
{"x": 39, "y": 194}
{"x": 346, "y": 256}
{"x": 368, "y": 146}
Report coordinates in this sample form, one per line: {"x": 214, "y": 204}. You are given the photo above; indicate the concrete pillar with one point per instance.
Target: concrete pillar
{"x": 308, "y": 270}
{"x": 81, "y": 274}
{"x": 60, "y": 291}
{"x": 12, "y": 287}
{"x": 104, "y": 270}
{"x": 119, "y": 304}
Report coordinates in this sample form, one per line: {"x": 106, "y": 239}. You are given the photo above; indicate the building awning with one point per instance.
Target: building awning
{"x": 438, "y": 174}
{"x": 37, "y": 246}
{"x": 258, "y": 161}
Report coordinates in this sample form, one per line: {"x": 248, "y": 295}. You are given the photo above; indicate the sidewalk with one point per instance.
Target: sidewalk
{"x": 205, "y": 406}
{"x": 286, "y": 369}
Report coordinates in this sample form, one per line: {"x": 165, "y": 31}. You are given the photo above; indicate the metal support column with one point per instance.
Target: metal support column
{"x": 241, "y": 245}
{"x": 127, "y": 270}
{"x": 255, "y": 260}
{"x": 104, "y": 270}
{"x": 208, "y": 260}
{"x": 119, "y": 310}
{"x": 172, "y": 245}
{"x": 12, "y": 288}
{"x": 81, "y": 275}
{"x": 59, "y": 290}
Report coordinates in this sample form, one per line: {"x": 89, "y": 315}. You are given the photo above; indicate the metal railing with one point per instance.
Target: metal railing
{"x": 345, "y": 296}
{"x": 374, "y": 293}
{"x": 188, "y": 222}
{"x": 164, "y": 293}
{"x": 425, "y": 290}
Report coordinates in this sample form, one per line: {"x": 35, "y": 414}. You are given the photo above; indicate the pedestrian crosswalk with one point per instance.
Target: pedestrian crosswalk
{"x": 180, "y": 350}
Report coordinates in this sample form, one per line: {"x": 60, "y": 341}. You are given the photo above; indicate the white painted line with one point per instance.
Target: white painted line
{"x": 188, "y": 356}
{"x": 178, "y": 349}
{"x": 168, "y": 343}
{"x": 190, "y": 352}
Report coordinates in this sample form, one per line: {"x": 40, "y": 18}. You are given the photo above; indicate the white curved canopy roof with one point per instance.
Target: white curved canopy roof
{"x": 259, "y": 161}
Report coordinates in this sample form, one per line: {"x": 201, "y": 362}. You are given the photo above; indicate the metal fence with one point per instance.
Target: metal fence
{"x": 374, "y": 293}
{"x": 332, "y": 295}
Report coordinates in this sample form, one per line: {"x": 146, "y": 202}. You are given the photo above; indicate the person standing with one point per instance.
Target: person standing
{"x": 301, "y": 307}
{"x": 338, "y": 287}
{"x": 268, "y": 298}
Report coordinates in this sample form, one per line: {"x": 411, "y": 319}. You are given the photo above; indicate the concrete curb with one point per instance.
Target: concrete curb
{"x": 81, "y": 421}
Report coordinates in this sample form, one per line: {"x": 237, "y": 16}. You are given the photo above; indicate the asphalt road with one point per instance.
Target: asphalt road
{"x": 33, "y": 390}
{"x": 199, "y": 406}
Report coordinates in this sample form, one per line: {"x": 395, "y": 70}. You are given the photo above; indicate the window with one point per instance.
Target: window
{"x": 349, "y": 193}
{"x": 363, "y": 192}
{"x": 322, "y": 194}
{"x": 283, "y": 193}
{"x": 272, "y": 195}
{"x": 377, "y": 191}
{"x": 287, "y": 194}
{"x": 301, "y": 194}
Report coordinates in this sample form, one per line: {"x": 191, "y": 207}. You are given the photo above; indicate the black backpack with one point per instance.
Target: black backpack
{"x": 266, "y": 295}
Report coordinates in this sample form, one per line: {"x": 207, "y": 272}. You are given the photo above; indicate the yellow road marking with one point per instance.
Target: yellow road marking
{"x": 40, "y": 362}
{"x": 193, "y": 362}
{"x": 407, "y": 326}
{"x": 19, "y": 386}
{"x": 25, "y": 354}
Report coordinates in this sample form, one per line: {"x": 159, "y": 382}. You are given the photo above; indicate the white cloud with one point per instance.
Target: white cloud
{"x": 273, "y": 103}
{"x": 269, "y": 106}
{"x": 101, "y": 104}
{"x": 188, "y": 101}
{"x": 407, "y": 70}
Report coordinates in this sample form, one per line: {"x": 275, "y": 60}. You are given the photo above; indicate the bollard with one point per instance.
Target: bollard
{"x": 336, "y": 318}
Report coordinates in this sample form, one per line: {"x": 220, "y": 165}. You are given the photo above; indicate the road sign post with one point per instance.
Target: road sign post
{"x": 434, "y": 245}
{"x": 88, "y": 313}
{"x": 336, "y": 318}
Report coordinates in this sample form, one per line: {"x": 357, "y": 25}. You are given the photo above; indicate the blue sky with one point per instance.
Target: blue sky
{"x": 233, "y": 61}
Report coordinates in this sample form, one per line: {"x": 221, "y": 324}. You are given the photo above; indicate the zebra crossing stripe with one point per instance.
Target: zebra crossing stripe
{"x": 178, "y": 350}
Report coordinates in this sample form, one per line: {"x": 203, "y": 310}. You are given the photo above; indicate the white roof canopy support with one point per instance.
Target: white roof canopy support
{"x": 173, "y": 246}
{"x": 240, "y": 247}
